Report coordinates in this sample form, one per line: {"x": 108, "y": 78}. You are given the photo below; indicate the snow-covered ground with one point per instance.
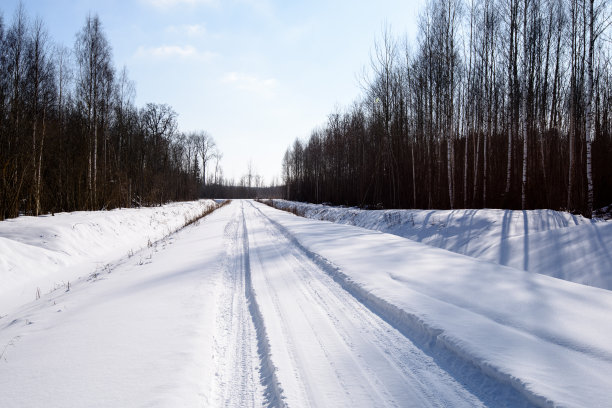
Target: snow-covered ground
{"x": 138, "y": 334}
{"x": 254, "y": 306}
{"x": 553, "y": 243}
{"x": 39, "y": 254}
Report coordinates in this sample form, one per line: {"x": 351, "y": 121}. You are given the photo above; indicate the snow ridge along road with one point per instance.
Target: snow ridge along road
{"x": 553, "y": 243}
{"x": 46, "y": 252}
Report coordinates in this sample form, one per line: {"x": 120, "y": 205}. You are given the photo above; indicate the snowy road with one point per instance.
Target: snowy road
{"x": 329, "y": 349}
{"x": 252, "y": 306}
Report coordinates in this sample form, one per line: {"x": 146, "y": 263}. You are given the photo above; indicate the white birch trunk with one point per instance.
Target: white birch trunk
{"x": 413, "y": 178}
{"x": 590, "y": 128}
{"x": 510, "y": 107}
{"x": 465, "y": 163}
{"x": 40, "y": 157}
{"x": 524, "y": 109}
{"x": 449, "y": 155}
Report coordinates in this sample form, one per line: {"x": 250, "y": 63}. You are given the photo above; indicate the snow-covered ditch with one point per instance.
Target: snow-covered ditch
{"x": 546, "y": 338}
{"x": 39, "y": 254}
{"x": 553, "y": 243}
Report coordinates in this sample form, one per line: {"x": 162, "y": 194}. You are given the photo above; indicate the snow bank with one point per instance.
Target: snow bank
{"x": 549, "y": 242}
{"x": 143, "y": 335}
{"x": 545, "y": 337}
{"x": 47, "y": 251}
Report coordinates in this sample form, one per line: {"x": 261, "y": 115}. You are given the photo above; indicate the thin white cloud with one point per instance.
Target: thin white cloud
{"x": 250, "y": 83}
{"x": 174, "y": 51}
{"x": 191, "y": 30}
{"x": 165, "y": 4}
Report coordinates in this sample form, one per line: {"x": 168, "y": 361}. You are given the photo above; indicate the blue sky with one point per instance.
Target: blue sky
{"x": 255, "y": 74}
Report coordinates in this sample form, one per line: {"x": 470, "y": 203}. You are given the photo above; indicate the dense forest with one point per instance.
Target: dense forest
{"x": 501, "y": 103}
{"x": 71, "y": 137}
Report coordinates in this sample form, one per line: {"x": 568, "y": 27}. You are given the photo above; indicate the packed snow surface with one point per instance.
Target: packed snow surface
{"x": 253, "y": 306}
{"x": 553, "y": 243}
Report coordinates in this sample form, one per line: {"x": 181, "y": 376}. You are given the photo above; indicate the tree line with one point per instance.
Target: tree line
{"x": 501, "y": 103}
{"x": 250, "y": 185}
{"x": 71, "y": 137}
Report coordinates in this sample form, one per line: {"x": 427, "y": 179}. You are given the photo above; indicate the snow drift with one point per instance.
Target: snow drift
{"x": 48, "y": 251}
{"x": 553, "y": 243}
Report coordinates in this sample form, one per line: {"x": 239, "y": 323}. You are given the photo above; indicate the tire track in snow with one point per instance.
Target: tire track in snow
{"x": 273, "y": 391}
{"x": 492, "y": 387}
{"x": 236, "y": 381}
